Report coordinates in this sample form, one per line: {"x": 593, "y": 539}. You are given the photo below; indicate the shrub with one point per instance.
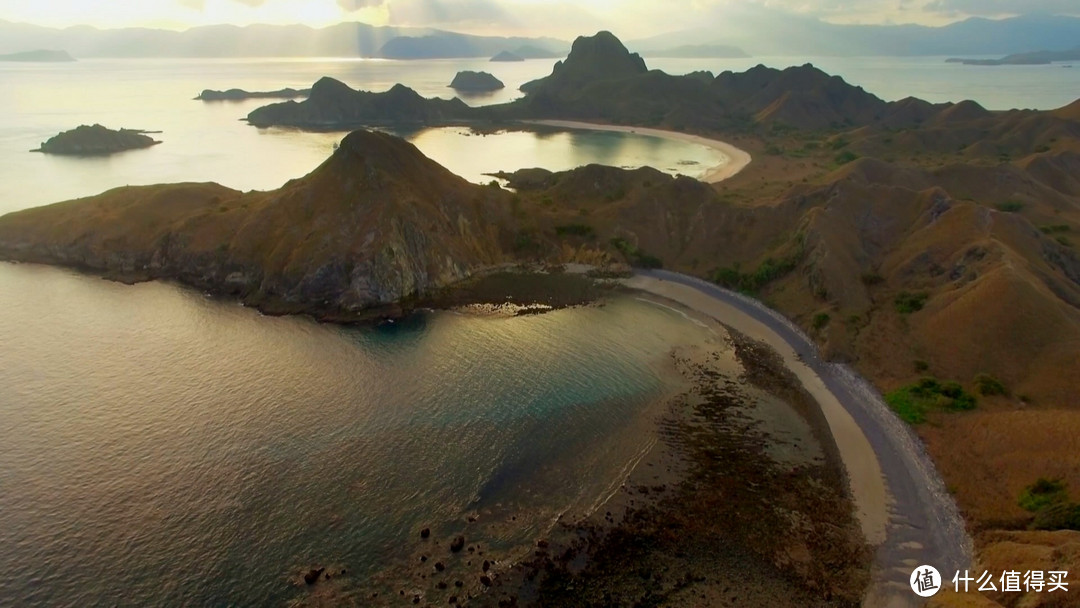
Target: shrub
{"x": 1055, "y": 228}
{"x": 846, "y": 157}
{"x": 921, "y": 366}
{"x": 1011, "y": 206}
{"x": 989, "y": 386}
{"x": 582, "y": 230}
{"x": 1043, "y": 493}
{"x": 872, "y": 278}
{"x": 635, "y": 256}
{"x": 913, "y": 402}
{"x": 1057, "y": 516}
{"x": 907, "y": 302}
{"x": 821, "y": 320}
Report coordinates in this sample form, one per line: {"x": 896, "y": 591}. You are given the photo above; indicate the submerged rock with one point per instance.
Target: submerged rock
{"x": 457, "y": 544}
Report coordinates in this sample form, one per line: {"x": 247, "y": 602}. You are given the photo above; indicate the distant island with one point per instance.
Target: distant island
{"x": 476, "y": 82}
{"x": 332, "y": 105}
{"x": 96, "y": 140}
{"x": 39, "y": 56}
{"x": 444, "y": 45}
{"x": 1036, "y": 58}
{"x": 709, "y": 51}
{"x": 241, "y": 94}
{"x": 507, "y": 56}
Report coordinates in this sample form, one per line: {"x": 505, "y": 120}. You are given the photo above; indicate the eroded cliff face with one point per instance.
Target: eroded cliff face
{"x": 376, "y": 223}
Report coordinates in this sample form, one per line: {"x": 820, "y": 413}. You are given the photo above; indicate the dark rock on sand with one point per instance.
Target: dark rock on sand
{"x": 313, "y": 575}
{"x": 425, "y": 533}
{"x": 458, "y": 544}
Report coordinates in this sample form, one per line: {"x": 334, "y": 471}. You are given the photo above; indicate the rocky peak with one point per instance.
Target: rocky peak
{"x": 591, "y": 59}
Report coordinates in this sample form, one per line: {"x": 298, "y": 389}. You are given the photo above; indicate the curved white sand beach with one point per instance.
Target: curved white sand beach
{"x": 736, "y": 159}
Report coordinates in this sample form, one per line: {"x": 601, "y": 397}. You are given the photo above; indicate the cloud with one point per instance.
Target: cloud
{"x": 355, "y": 5}
{"x": 1004, "y": 7}
{"x": 199, "y": 5}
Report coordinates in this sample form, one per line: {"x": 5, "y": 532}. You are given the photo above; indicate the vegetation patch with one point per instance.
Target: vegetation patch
{"x": 635, "y": 256}
{"x": 989, "y": 386}
{"x": 1048, "y": 500}
{"x": 846, "y": 157}
{"x": 581, "y": 230}
{"x": 872, "y": 278}
{"x": 907, "y": 302}
{"x": 913, "y": 402}
{"x": 766, "y": 272}
{"x": 1011, "y": 206}
{"x": 821, "y": 320}
{"x": 1055, "y": 228}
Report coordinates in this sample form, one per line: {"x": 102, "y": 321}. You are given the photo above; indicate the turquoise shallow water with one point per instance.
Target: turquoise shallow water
{"x": 163, "y": 448}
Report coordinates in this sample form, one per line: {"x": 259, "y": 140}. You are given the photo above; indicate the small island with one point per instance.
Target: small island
{"x": 39, "y": 56}
{"x": 241, "y": 94}
{"x": 476, "y": 82}
{"x": 1035, "y": 58}
{"x": 507, "y": 56}
{"x": 96, "y": 140}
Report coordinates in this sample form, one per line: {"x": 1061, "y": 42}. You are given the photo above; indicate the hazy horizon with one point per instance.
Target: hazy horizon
{"x": 628, "y": 18}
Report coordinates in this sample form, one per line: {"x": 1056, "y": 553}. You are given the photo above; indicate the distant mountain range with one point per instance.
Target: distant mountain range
{"x": 746, "y": 28}
{"x": 1035, "y": 58}
{"x": 762, "y": 31}
{"x": 342, "y": 40}
{"x": 40, "y": 56}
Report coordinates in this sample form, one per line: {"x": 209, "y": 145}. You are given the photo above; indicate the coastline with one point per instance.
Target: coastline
{"x": 737, "y": 159}
{"x": 902, "y": 505}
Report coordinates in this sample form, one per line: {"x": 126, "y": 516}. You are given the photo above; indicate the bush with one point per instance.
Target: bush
{"x": 907, "y": 302}
{"x": 582, "y": 230}
{"x": 821, "y": 320}
{"x": 921, "y": 366}
{"x": 872, "y": 278}
{"x": 634, "y": 256}
{"x": 1055, "y": 228}
{"x": 1058, "y": 516}
{"x": 1043, "y": 493}
{"x": 1011, "y": 206}
{"x": 846, "y": 157}
{"x": 913, "y": 402}
{"x": 989, "y": 386}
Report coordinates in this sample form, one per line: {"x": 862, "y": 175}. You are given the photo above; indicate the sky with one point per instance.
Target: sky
{"x": 559, "y": 18}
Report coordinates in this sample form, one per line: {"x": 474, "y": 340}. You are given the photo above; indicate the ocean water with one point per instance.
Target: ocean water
{"x": 158, "y": 447}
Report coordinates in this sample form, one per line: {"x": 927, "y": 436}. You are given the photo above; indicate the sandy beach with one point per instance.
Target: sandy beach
{"x": 902, "y": 504}
{"x": 864, "y": 474}
{"x": 737, "y": 159}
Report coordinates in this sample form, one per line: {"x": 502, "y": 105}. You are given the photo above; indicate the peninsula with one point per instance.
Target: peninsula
{"x": 41, "y": 56}
{"x": 241, "y": 94}
{"x": 1035, "y": 58}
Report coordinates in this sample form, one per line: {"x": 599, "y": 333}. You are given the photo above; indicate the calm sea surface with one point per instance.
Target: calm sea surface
{"x": 161, "y": 448}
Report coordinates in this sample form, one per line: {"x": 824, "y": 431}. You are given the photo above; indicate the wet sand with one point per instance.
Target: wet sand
{"x": 737, "y": 159}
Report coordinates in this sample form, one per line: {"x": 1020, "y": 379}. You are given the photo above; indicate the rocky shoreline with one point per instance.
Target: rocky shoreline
{"x": 740, "y": 500}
